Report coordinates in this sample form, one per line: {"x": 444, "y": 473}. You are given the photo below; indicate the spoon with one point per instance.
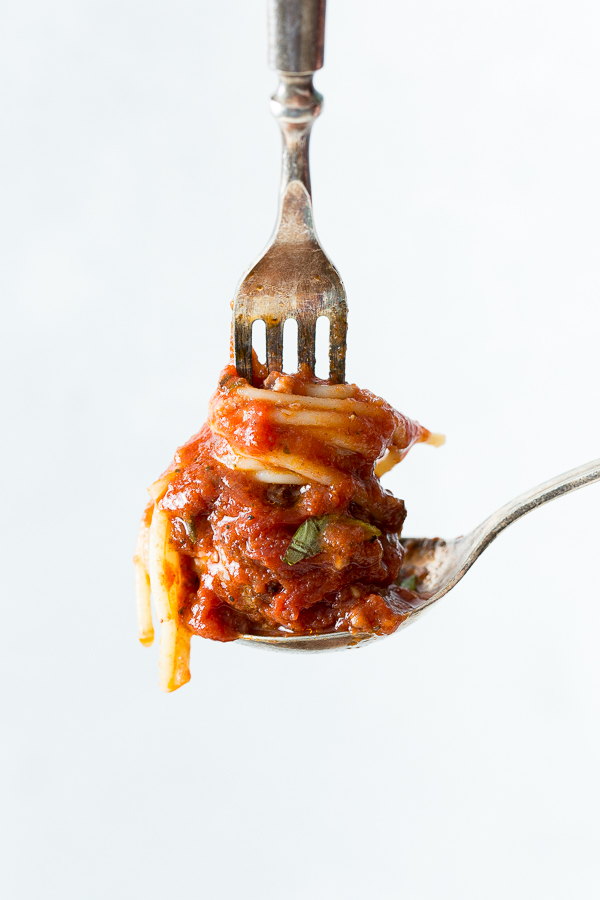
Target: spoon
{"x": 445, "y": 562}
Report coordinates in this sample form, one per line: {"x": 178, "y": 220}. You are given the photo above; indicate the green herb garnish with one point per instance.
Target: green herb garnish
{"x": 410, "y": 583}
{"x": 190, "y": 529}
{"x": 306, "y": 542}
{"x": 369, "y": 529}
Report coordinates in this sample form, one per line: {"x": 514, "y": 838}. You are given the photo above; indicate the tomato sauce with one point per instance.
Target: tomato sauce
{"x": 234, "y": 532}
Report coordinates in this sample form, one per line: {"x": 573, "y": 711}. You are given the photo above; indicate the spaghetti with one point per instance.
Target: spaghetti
{"x": 272, "y": 518}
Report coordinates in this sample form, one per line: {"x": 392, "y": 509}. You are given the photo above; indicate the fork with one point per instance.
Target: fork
{"x": 294, "y": 278}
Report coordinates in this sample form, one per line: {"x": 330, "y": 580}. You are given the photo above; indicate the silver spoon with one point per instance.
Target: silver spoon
{"x": 445, "y": 561}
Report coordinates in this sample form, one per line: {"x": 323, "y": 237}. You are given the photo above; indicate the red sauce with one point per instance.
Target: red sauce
{"x": 234, "y": 531}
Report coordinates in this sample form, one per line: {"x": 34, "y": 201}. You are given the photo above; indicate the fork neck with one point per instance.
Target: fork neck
{"x": 295, "y": 105}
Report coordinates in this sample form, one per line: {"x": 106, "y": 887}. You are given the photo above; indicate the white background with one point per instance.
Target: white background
{"x": 457, "y": 188}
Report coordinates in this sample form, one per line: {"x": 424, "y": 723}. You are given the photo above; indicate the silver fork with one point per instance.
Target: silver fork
{"x": 444, "y": 562}
{"x": 293, "y": 278}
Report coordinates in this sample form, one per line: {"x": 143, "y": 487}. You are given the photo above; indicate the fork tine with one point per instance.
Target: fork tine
{"x": 306, "y": 341}
{"x": 242, "y": 347}
{"x": 275, "y": 345}
{"x": 338, "y": 326}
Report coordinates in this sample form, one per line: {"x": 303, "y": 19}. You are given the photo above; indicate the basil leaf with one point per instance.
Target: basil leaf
{"x": 190, "y": 529}
{"x": 306, "y": 542}
{"x": 410, "y": 583}
{"x": 371, "y": 530}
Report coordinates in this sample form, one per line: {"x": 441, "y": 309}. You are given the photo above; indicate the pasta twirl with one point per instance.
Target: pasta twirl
{"x": 272, "y": 518}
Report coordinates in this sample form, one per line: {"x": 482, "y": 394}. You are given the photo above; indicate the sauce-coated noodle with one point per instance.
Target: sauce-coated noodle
{"x": 272, "y": 519}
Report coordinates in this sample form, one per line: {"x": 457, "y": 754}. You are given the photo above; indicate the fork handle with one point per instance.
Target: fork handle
{"x": 296, "y": 35}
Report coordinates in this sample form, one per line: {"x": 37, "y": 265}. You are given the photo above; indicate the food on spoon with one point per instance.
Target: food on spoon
{"x": 272, "y": 519}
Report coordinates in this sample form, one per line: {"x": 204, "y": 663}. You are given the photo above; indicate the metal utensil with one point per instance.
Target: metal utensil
{"x": 445, "y": 561}
{"x": 294, "y": 277}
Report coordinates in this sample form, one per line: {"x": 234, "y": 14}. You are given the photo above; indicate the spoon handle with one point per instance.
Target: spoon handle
{"x": 532, "y": 499}
{"x": 451, "y": 560}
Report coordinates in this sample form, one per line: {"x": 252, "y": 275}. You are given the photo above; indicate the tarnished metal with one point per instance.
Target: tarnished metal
{"x": 446, "y": 562}
{"x": 293, "y": 278}
{"x": 296, "y": 35}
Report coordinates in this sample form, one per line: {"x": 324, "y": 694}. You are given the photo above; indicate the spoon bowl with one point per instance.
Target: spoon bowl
{"x": 441, "y": 564}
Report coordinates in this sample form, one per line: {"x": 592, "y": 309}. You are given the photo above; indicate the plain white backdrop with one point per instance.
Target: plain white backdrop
{"x": 456, "y": 180}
